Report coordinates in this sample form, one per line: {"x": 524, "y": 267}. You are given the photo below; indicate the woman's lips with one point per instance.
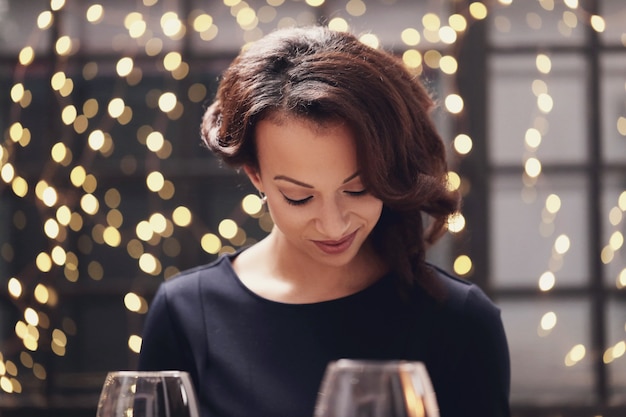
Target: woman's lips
{"x": 334, "y": 247}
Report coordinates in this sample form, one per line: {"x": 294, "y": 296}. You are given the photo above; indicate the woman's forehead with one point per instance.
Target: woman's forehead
{"x": 294, "y": 143}
{"x": 315, "y": 121}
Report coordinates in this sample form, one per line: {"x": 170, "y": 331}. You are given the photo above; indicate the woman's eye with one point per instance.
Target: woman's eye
{"x": 297, "y": 202}
{"x": 356, "y": 193}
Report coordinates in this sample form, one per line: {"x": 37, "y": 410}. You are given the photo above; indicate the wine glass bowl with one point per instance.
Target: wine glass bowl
{"x": 147, "y": 394}
{"x": 362, "y": 388}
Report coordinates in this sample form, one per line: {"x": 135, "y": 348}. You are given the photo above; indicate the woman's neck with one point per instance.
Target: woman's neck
{"x": 277, "y": 270}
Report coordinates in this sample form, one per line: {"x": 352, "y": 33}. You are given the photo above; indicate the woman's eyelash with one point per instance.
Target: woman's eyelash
{"x": 297, "y": 202}
{"x": 307, "y": 199}
{"x": 356, "y": 193}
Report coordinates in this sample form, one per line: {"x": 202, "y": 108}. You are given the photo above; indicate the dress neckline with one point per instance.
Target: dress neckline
{"x": 373, "y": 287}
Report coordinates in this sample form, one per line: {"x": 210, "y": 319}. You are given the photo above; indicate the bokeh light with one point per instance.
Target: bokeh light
{"x": 86, "y": 218}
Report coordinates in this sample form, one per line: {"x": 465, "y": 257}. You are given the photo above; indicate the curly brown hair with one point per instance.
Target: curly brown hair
{"x": 324, "y": 75}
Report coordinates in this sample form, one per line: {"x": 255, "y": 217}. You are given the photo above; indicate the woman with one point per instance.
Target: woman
{"x": 336, "y": 136}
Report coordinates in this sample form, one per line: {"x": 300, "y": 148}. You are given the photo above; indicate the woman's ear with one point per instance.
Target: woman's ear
{"x": 254, "y": 176}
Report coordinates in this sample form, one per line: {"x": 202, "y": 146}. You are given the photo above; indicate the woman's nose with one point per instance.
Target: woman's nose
{"x": 333, "y": 220}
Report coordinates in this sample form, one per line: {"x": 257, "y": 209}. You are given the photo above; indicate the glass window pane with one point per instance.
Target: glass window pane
{"x": 531, "y": 23}
{"x": 18, "y": 26}
{"x": 517, "y": 91}
{"x": 551, "y": 359}
{"x": 614, "y": 356}
{"x": 613, "y": 108}
{"x": 613, "y": 13}
{"x": 526, "y": 238}
{"x": 613, "y": 212}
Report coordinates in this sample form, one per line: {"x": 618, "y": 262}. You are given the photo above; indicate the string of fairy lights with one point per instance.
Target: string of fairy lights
{"x": 96, "y": 214}
{"x": 533, "y": 170}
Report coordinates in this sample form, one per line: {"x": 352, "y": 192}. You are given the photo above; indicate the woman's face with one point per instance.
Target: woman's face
{"x": 314, "y": 191}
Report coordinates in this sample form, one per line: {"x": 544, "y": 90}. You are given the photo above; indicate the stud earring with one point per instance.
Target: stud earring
{"x": 263, "y": 197}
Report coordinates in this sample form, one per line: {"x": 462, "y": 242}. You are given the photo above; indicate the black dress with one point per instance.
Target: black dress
{"x": 251, "y": 357}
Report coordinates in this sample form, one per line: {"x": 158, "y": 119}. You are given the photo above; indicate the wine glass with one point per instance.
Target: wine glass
{"x": 147, "y": 394}
{"x": 365, "y": 388}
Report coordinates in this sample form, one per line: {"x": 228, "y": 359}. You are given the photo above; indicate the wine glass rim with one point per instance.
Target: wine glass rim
{"x": 381, "y": 363}
{"x": 168, "y": 373}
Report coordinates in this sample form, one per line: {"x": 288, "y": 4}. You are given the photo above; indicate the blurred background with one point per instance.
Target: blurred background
{"x": 105, "y": 190}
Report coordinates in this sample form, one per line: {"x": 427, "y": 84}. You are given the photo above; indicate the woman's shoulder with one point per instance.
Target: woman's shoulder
{"x": 190, "y": 280}
{"x": 466, "y": 316}
{"x": 463, "y": 297}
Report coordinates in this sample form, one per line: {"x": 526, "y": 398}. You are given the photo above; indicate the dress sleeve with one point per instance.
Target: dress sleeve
{"x": 162, "y": 346}
{"x": 485, "y": 361}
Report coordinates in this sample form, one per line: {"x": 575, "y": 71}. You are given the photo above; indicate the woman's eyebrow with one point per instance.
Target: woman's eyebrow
{"x": 303, "y": 184}
{"x": 351, "y": 177}
{"x": 300, "y": 183}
